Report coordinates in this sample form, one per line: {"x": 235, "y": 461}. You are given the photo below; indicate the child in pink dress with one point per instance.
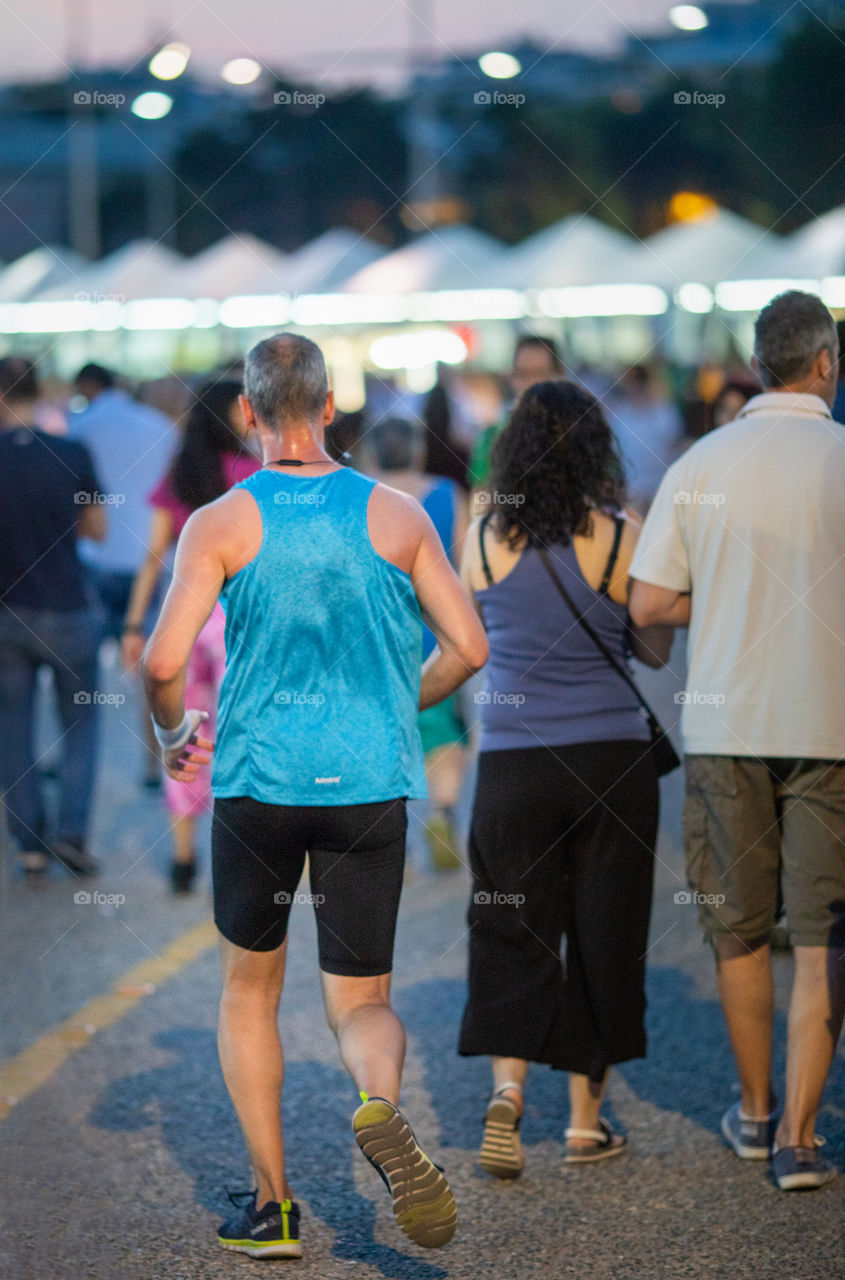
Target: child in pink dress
{"x": 211, "y": 459}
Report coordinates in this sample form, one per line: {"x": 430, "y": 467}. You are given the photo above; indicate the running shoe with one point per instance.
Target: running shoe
{"x": 422, "y": 1199}
{"x": 750, "y": 1139}
{"x": 801, "y": 1168}
{"x": 271, "y": 1232}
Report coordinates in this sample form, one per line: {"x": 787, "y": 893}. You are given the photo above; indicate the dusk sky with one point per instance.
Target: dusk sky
{"x": 339, "y": 40}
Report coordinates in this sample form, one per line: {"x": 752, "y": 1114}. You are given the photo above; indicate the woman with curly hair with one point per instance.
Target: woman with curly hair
{"x": 565, "y": 811}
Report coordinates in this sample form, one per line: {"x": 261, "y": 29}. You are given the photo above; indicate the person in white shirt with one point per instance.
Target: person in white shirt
{"x": 745, "y": 544}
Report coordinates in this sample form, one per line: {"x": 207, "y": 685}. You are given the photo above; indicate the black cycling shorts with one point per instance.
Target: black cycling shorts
{"x": 356, "y": 859}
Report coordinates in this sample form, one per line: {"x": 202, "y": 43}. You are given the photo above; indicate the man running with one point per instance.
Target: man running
{"x": 323, "y": 574}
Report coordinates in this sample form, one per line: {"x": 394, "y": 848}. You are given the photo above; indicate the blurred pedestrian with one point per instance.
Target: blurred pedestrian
{"x": 732, "y": 399}
{"x": 131, "y": 445}
{"x": 745, "y": 543}
{"x": 50, "y": 496}
{"x": 535, "y": 359}
{"x": 446, "y": 453}
{"x": 649, "y": 427}
{"x": 323, "y": 573}
{"x": 564, "y": 817}
{"x": 397, "y": 450}
{"x": 212, "y": 457}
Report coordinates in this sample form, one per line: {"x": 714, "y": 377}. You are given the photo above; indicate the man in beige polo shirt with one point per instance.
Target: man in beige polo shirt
{"x": 745, "y": 544}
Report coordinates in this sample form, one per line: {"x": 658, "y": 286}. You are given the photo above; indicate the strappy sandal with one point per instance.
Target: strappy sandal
{"x": 603, "y": 1144}
{"x": 501, "y": 1150}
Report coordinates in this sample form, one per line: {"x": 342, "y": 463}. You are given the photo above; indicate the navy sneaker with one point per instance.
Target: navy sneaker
{"x": 750, "y": 1139}
{"x": 801, "y": 1168}
{"x": 270, "y": 1232}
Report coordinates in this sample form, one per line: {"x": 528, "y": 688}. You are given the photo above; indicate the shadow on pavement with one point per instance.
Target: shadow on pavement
{"x": 187, "y": 1100}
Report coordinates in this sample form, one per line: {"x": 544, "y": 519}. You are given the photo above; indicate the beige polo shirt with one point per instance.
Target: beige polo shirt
{"x": 751, "y": 520}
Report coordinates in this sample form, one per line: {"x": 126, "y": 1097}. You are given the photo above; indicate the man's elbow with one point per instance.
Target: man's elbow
{"x": 642, "y": 606}
{"x": 158, "y": 667}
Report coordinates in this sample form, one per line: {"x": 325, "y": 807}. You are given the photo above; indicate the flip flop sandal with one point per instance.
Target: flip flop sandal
{"x": 501, "y": 1150}
{"x": 603, "y": 1144}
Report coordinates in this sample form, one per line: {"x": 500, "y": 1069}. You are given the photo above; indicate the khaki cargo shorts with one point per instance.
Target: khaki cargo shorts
{"x": 752, "y": 826}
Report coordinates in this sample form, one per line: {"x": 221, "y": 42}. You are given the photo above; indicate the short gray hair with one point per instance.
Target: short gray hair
{"x": 789, "y": 334}
{"x": 285, "y": 379}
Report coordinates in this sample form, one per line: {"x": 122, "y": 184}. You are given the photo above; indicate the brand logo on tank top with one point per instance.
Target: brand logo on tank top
{"x": 327, "y": 781}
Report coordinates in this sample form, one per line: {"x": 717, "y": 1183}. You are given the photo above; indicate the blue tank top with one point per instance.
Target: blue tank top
{"x": 546, "y": 682}
{"x": 323, "y": 650}
{"x": 439, "y": 505}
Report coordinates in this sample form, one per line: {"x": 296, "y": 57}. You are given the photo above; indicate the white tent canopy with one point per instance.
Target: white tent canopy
{"x": 722, "y": 247}
{"x": 142, "y": 269}
{"x": 42, "y": 268}
{"x": 453, "y": 257}
{"x": 818, "y": 248}
{"x": 239, "y": 265}
{"x": 578, "y": 250}
{"x": 326, "y": 263}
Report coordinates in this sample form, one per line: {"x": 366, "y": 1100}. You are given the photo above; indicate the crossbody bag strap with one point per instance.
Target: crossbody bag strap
{"x": 596, "y": 639}
{"x": 485, "y": 563}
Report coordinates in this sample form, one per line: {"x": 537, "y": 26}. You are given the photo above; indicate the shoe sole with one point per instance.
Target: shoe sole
{"x": 275, "y": 1249}
{"x": 590, "y": 1157}
{"x": 501, "y": 1150}
{"x": 423, "y": 1203}
{"x": 744, "y": 1152}
{"x": 804, "y": 1181}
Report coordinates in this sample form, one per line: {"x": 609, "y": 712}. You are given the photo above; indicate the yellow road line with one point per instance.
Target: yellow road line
{"x": 34, "y": 1065}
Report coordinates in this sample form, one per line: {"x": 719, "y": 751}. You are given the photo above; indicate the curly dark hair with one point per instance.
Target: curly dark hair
{"x": 556, "y": 461}
{"x": 196, "y": 473}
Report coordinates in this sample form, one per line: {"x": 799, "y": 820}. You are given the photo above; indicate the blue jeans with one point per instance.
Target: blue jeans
{"x": 67, "y": 643}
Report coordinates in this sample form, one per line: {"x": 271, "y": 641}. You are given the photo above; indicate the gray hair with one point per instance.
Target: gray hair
{"x": 789, "y": 334}
{"x": 285, "y": 379}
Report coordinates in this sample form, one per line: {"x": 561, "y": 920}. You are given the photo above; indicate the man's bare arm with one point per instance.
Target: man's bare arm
{"x": 652, "y": 606}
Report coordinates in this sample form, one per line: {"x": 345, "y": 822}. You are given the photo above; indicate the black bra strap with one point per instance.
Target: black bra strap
{"x": 619, "y": 522}
{"x": 485, "y": 564}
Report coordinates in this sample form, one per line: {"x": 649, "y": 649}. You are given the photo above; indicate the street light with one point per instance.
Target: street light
{"x": 241, "y": 71}
{"x": 152, "y": 105}
{"x": 688, "y": 17}
{"x": 500, "y": 66}
{"x": 170, "y": 61}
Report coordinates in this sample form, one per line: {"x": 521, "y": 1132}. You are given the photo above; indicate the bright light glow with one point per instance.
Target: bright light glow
{"x": 468, "y": 304}
{"x": 688, "y": 17}
{"x": 603, "y": 300}
{"x": 206, "y": 313}
{"x": 500, "y": 66}
{"x": 348, "y": 308}
{"x": 152, "y": 105}
{"x": 241, "y": 71}
{"x": 692, "y": 206}
{"x": 833, "y": 291}
{"x": 159, "y": 313}
{"x": 170, "y": 61}
{"x": 254, "y": 312}
{"x": 751, "y": 295}
{"x": 696, "y": 298}
{"x": 416, "y": 350}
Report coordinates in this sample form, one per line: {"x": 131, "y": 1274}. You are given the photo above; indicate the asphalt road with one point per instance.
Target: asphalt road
{"x": 116, "y": 1165}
